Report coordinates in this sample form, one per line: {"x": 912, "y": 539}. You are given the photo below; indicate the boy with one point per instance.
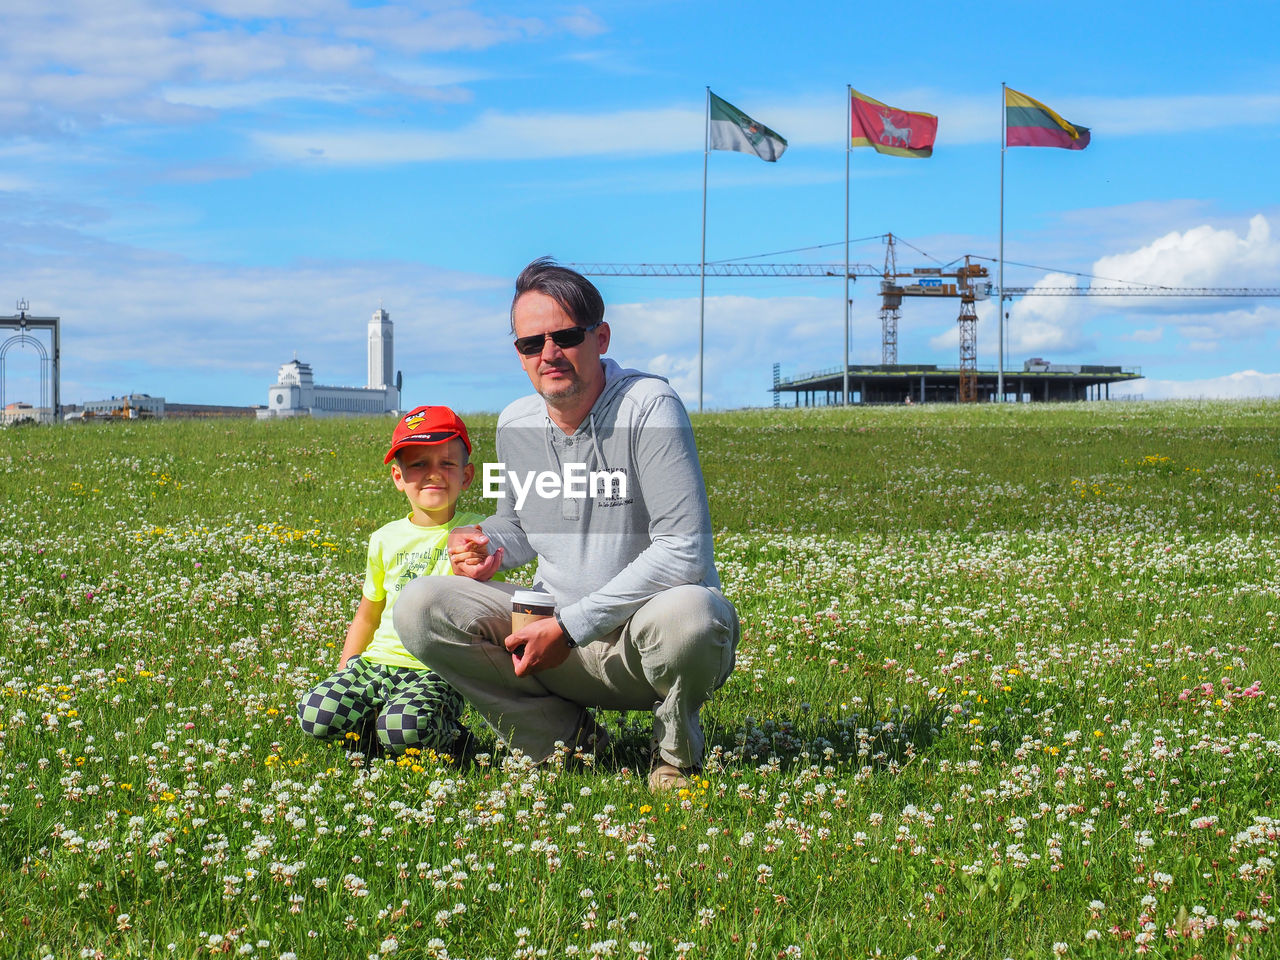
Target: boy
{"x": 376, "y": 674}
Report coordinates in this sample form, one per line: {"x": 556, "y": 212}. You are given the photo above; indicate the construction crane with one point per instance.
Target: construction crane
{"x": 1141, "y": 290}
{"x": 724, "y": 269}
{"x": 970, "y": 284}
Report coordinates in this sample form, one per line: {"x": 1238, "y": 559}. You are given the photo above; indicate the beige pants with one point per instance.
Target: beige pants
{"x": 669, "y": 657}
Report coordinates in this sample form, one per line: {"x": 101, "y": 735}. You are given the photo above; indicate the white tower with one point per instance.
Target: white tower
{"x": 381, "y": 363}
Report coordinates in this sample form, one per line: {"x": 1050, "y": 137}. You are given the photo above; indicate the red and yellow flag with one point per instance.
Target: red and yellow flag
{"x": 901, "y": 133}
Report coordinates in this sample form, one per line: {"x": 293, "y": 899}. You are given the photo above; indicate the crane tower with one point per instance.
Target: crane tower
{"x": 969, "y": 285}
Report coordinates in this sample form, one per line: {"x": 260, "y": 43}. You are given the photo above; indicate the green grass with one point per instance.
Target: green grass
{"x": 1007, "y": 681}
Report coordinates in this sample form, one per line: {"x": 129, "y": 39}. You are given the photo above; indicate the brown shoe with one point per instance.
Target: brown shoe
{"x": 667, "y": 776}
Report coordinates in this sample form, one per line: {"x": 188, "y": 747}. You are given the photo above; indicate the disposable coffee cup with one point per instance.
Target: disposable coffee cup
{"x": 530, "y": 605}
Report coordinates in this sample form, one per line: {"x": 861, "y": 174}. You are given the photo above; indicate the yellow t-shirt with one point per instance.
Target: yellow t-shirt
{"x": 399, "y": 552}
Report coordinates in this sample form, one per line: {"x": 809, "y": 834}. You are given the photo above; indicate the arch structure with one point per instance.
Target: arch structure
{"x": 50, "y": 360}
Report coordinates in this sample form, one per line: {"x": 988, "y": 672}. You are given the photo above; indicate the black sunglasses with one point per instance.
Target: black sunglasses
{"x": 569, "y": 337}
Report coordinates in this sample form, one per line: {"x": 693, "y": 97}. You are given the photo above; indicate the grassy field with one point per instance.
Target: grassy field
{"x": 1007, "y": 688}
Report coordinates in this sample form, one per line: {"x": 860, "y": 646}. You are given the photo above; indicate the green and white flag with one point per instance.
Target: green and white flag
{"x": 731, "y": 129}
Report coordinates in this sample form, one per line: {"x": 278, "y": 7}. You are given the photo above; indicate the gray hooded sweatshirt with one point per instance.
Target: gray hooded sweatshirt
{"x": 615, "y": 513}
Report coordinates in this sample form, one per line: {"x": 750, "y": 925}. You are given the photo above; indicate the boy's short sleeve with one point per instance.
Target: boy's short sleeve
{"x": 374, "y": 572}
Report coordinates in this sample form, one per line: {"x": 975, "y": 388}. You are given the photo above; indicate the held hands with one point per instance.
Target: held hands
{"x": 537, "y": 646}
{"x": 469, "y": 553}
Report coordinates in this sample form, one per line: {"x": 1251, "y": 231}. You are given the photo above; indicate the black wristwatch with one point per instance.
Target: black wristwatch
{"x": 569, "y": 641}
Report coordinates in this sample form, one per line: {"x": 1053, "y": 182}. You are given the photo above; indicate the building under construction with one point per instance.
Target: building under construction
{"x": 892, "y": 382}
{"x": 962, "y": 279}
{"x": 928, "y": 383}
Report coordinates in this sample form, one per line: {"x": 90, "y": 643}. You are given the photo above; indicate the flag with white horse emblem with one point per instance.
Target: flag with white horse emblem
{"x": 900, "y": 133}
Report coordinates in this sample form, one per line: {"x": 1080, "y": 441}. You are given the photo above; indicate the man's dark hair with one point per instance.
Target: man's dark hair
{"x": 576, "y": 295}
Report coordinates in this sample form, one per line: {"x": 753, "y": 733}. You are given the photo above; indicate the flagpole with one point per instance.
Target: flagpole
{"x": 1004, "y": 144}
{"x": 702, "y": 265}
{"x": 848, "y": 149}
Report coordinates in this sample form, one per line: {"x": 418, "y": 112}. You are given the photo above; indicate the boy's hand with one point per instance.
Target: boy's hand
{"x": 469, "y": 553}
{"x": 537, "y": 646}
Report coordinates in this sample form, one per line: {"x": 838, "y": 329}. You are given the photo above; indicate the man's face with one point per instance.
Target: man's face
{"x": 432, "y": 476}
{"x": 559, "y": 374}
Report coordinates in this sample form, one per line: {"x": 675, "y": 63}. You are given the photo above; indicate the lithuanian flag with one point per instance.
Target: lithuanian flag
{"x": 1029, "y": 123}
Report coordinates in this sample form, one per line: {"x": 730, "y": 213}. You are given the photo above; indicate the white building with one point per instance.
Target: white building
{"x": 381, "y": 365}
{"x": 295, "y": 392}
{"x": 22, "y": 411}
{"x": 131, "y": 406}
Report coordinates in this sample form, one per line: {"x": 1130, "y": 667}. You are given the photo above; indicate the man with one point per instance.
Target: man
{"x": 601, "y": 485}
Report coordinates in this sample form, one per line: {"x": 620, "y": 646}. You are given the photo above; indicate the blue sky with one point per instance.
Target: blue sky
{"x": 201, "y": 189}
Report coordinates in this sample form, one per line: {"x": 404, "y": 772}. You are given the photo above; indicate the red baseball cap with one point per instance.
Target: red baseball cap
{"x": 427, "y": 425}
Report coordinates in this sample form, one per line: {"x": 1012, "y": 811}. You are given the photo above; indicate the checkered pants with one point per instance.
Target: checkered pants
{"x": 415, "y": 708}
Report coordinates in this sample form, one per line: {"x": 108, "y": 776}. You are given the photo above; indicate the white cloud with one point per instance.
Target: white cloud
{"x": 499, "y": 136}
{"x": 1241, "y": 384}
{"x": 1035, "y": 326}
{"x": 241, "y": 95}
{"x": 450, "y": 28}
{"x": 681, "y": 372}
{"x": 1043, "y": 323}
{"x": 744, "y": 337}
{"x": 72, "y": 63}
{"x": 10, "y": 183}
{"x": 582, "y": 22}
{"x": 1203, "y": 256}
{"x": 1129, "y": 116}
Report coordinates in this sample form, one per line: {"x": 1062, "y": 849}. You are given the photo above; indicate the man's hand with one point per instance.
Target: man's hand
{"x": 469, "y": 553}
{"x": 537, "y": 646}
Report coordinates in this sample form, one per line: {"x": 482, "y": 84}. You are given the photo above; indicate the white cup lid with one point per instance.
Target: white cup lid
{"x": 533, "y": 598}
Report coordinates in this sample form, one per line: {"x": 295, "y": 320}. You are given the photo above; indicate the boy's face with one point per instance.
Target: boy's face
{"x": 432, "y": 476}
